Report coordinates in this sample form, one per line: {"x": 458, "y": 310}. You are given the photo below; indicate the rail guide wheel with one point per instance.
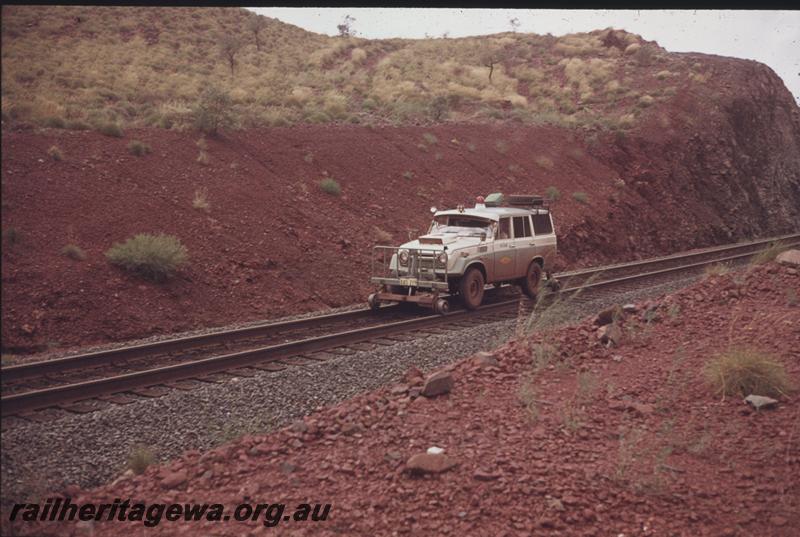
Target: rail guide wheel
{"x": 441, "y": 306}
{"x": 374, "y": 303}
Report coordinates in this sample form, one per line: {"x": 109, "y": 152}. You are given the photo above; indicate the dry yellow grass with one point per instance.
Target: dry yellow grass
{"x": 745, "y": 371}
{"x": 143, "y": 66}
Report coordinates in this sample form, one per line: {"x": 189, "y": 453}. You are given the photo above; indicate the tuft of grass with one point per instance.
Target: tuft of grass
{"x": 55, "y": 153}
{"x": 742, "y": 371}
{"x": 471, "y": 147}
{"x": 309, "y": 157}
{"x": 202, "y": 158}
{"x": 200, "y": 199}
{"x": 430, "y": 138}
{"x": 408, "y": 174}
{"x": 717, "y": 269}
{"x": 546, "y": 163}
{"x": 543, "y": 355}
{"x": 552, "y": 193}
{"x": 581, "y": 197}
{"x": 154, "y": 257}
{"x": 768, "y": 254}
{"x": 138, "y": 148}
{"x": 383, "y": 236}
{"x": 330, "y": 186}
{"x": 73, "y": 251}
{"x": 501, "y": 146}
{"x": 139, "y": 459}
{"x": 527, "y": 397}
{"x": 109, "y": 128}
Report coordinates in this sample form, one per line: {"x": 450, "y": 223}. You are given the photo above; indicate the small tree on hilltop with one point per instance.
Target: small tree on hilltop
{"x": 213, "y": 110}
{"x": 346, "y": 28}
{"x": 514, "y": 24}
{"x": 229, "y": 47}
{"x": 255, "y": 25}
{"x": 489, "y": 55}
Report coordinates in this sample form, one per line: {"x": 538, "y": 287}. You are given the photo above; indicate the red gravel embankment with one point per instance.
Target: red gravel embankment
{"x": 604, "y": 441}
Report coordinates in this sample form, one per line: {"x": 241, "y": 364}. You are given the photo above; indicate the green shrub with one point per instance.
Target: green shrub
{"x": 11, "y": 235}
{"x": 552, "y": 193}
{"x": 139, "y": 148}
{"x": 501, "y": 146}
{"x": 408, "y": 174}
{"x": 430, "y": 138}
{"x": 154, "y": 257}
{"x": 109, "y": 128}
{"x": 743, "y": 371}
{"x": 330, "y": 186}
{"x": 73, "y": 251}
{"x": 78, "y": 125}
{"x": 580, "y": 197}
{"x": 213, "y": 110}
{"x": 54, "y": 122}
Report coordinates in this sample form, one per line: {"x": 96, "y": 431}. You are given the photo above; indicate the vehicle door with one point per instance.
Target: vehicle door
{"x": 524, "y": 244}
{"x": 544, "y": 238}
{"x": 505, "y": 256}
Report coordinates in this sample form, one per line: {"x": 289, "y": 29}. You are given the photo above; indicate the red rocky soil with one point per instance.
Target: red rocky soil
{"x": 273, "y": 244}
{"x": 626, "y": 440}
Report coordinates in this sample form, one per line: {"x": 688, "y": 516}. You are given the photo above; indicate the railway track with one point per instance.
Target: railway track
{"x": 151, "y": 369}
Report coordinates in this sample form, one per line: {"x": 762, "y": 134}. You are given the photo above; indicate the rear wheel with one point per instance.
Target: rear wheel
{"x": 471, "y": 289}
{"x": 530, "y": 283}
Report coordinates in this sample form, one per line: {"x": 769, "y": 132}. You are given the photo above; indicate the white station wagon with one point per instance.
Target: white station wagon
{"x": 503, "y": 239}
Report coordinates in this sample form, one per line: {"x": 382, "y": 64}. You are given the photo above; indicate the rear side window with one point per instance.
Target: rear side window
{"x": 522, "y": 227}
{"x": 541, "y": 224}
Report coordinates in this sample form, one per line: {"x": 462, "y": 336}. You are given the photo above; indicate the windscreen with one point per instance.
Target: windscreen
{"x": 460, "y": 225}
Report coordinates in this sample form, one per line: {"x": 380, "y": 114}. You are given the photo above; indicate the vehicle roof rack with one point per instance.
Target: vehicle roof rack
{"x": 523, "y": 201}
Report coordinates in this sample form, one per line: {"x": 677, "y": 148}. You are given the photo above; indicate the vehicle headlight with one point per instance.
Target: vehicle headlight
{"x": 403, "y": 257}
{"x": 442, "y": 258}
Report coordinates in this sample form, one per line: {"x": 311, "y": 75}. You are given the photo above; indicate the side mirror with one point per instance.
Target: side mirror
{"x": 483, "y": 237}
{"x": 434, "y": 209}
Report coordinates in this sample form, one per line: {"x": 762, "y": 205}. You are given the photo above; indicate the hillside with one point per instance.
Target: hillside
{"x": 81, "y": 67}
{"x": 714, "y": 159}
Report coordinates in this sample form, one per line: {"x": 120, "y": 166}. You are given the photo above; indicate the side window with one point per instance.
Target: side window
{"x": 522, "y": 227}
{"x": 541, "y": 224}
{"x": 504, "y": 231}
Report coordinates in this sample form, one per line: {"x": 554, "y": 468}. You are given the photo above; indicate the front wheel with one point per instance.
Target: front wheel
{"x": 530, "y": 283}
{"x": 471, "y": 289}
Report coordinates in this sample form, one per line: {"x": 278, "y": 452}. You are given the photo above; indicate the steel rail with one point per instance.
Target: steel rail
{"x": 21, "y": 402}
{"x": 143, "y": 350}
